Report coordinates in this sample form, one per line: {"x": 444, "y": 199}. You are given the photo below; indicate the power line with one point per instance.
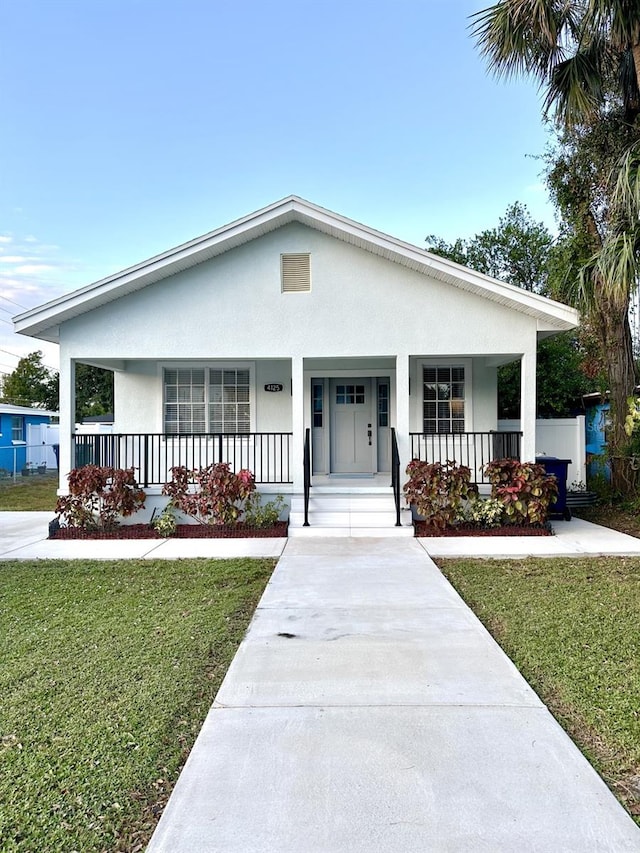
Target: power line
{"x": 13, "y": 302}
{"x": 20, "y": 357}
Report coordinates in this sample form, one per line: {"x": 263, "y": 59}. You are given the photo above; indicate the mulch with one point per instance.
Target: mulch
{"x": 183, "y": 531}
{"x": 422, "y": 529}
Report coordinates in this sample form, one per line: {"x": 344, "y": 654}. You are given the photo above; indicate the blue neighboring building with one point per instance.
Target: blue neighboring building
{"x": 15, "y": 423}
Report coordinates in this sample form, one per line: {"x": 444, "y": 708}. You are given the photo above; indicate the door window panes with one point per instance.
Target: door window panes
{"x": 349, "y": 395}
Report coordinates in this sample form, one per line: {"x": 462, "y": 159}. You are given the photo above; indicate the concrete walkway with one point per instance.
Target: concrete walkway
{"x": 368, "y": 710}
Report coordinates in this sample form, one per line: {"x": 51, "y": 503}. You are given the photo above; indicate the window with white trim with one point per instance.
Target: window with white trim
{"x": 17, "y": 428}
{"x": 207, "y": 400}
{"x": 443, "y": 406}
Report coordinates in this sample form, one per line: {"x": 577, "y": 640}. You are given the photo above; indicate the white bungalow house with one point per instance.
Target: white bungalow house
{"x": 293, "y": 324}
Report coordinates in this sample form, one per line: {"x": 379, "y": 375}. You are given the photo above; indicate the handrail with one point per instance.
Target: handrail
{"x": 307, "y": 475}
{"x": 473, "y": 449}
{"x": 266, "y": 454}
{"x": 395, "y": 474}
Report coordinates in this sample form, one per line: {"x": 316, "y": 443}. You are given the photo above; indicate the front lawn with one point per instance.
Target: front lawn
{"x": 29, "y": 494}
{"x": 571, "y": 626}
{"x": 107, "y": 670}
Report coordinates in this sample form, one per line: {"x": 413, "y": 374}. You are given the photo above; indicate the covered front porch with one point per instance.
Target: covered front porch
{"x": 347, "y": 418}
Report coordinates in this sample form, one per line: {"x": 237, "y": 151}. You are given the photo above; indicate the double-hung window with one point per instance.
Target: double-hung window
{"x": 207, "y": 400}
{"x": 443, "y": 399}
{"x": 17, "y": 428}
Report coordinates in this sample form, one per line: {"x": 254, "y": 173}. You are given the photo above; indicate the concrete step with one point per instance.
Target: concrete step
{"x": 348, "y": 514}
{"x": 356, "y": 532}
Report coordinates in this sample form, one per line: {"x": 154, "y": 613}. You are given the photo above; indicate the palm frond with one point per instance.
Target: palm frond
{"x": 618, "y": 264}
{"x": 576, "y": 84}
{"x": 621, "y": 18}
{"x": 522, "y": 36}
{"x": 586, "y": 283}
{"x": 626, "y": 192}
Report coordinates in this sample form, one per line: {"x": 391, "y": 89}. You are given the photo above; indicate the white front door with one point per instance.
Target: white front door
{"x": 353, "y": 433}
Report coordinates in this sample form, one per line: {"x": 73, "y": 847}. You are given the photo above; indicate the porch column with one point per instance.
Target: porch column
{"x": 67, "y": 418}
{"x": 297, "y": 423}
{"x": 403, "y": 424}
{"x": 528, "y": 406}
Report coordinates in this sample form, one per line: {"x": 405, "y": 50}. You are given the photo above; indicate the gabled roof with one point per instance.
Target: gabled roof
{"x": 44, "y": 321}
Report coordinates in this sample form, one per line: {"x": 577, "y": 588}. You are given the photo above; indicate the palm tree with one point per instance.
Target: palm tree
{"x": 585, "y": 56}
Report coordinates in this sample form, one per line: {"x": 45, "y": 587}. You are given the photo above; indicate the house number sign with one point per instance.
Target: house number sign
{"x": 273, "y": 386}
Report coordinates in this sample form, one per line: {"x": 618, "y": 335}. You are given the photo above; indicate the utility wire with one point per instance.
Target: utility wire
{"x": 13, "y": 302}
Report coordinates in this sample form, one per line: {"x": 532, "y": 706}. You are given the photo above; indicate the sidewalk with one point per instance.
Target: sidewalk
{"x": 367, "y": 709}
{"x": 23, "y": 536}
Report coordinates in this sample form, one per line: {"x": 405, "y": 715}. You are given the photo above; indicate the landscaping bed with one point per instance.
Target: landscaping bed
{"x": 423, "y": 529}
{"x": 183, "y": 531}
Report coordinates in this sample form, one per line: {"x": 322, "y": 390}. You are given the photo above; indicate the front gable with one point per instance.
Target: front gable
{"x": 363, "y": 285}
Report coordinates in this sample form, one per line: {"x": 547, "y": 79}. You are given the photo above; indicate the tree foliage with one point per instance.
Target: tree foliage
{"x": 94, "y": 391}
{"x": 517, "y": 250}
{"x": 31, "y": 384}
{"x": 586, "y": 58}
{"x": 521, "y": 252}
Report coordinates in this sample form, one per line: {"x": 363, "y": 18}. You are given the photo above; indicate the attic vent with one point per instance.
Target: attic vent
{"x": 296, "y": 273}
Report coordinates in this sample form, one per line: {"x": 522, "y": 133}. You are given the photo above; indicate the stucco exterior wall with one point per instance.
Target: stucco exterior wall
{"x": 138, "y": 396}
{"x": 360, "y": 304}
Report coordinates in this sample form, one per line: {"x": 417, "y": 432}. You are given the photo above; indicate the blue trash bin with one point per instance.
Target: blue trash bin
{"x": 558, "y": 468}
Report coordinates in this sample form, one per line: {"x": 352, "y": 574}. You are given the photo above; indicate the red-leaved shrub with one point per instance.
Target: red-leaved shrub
{"x": 99, "y": 496}
{"x": 211, "y": 495}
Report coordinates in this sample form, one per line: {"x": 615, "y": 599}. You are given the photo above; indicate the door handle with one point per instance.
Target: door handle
{"x": 369, "y": 436}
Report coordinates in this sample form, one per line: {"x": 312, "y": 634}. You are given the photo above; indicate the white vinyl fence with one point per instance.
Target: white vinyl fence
{"x": 560, "y": 437}
{"x": 40, "y": 441}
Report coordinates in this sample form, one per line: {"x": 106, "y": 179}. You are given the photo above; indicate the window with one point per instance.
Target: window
{"x": 200, "y": 400}
{"x": 443, "y": 399}
{"x": 317, "y": 405}
{"x": 17, "y": 428}
{"x": 383, "y": 405}
{"x": 349, "y": 395}
{"x": 229, "y": 401}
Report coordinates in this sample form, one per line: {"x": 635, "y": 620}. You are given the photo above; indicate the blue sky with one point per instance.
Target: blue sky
{"x": 130, "y": 126}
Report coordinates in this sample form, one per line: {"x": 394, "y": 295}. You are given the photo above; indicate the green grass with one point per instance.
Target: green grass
{"x": 29, "y": 494}
{"x": 107, "y": 670}
{"x": 571, "y": 626}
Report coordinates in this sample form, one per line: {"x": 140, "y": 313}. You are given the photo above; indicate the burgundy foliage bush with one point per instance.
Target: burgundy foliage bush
{"x": 98, "y": 497}
{"x": 211, "y": 495}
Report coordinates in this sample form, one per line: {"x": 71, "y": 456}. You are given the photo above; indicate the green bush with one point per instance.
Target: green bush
{"x": 165, "y": 524}
{"x": 258, "y": 514}
{"x": 487, "y": 512}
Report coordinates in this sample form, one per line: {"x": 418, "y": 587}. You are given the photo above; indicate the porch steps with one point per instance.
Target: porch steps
{"x": 340, "y": 513}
